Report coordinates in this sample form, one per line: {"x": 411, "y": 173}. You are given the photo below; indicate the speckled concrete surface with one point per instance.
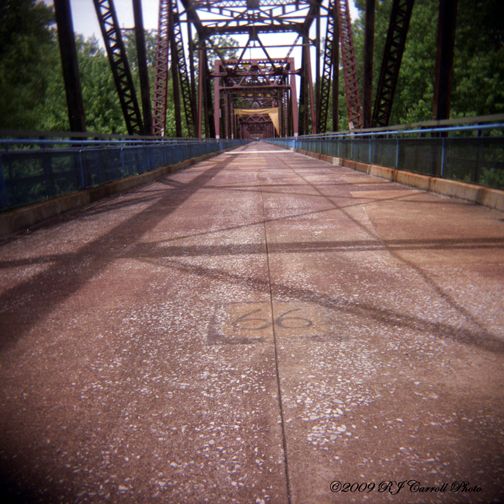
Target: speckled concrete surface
{"x": 255, "y": 329}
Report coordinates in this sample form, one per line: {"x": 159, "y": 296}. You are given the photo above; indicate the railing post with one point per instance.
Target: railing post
{"x": 48, "y": 173}
{"x": 123, "y": 168}
{"x": 148, "y": 157}
{"x": 81, "y": 170}
{"x": 3, "y": 190}
{"x": 479, "y": 145}
{"x": 443, "y": 157}
{"x": 397, "y": 153}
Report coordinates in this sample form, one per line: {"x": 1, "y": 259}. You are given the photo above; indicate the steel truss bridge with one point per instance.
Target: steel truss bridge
{"x": 288, "y": 83}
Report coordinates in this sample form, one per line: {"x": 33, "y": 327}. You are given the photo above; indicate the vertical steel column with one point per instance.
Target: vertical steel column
{"x": 142, "y": 66}
{"x": 310, "y": 92}
{"x": 225, "y": 119}
{"x": 200, "y": 93}
{"x": 174, "y": 69}
{"x": 161, "y": 79}
{"x": 217, "y": 97}
{"x": 191, "y": 69}
{"x": 317, "y": 70}
{"x": 327, "y": 69}
{"x": 303, "y": 92}
{"x": 70, "y": 65}
{"x": 177, "y": 52}
{"x": 349, "y": 66}
{"x": 231, "y": 116}
{"x": 111, "y": 33}
{"x": 306, "y": 99}
{"x": 293, "y": 97}
{"x": 368, "y": 62}
{"x": 335, "y": 76}
{"x": 391, "y": 64}
{"x": 207, "y": 96}
{"x": 444, "y": 59}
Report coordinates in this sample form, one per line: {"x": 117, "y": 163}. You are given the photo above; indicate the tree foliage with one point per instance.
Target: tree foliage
{"x": 32, "y": 94}
{"x": 478, "y": 76}
{"x": 32, "y": 91}
{"x": 25, "y": 40}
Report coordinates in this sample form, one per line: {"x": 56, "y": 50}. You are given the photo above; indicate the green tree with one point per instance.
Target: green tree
{"x": 478, "y": 76}
{"x": 478, "y": 80}
{"x": 25, "y": 41}
{"x": 129, "y": 40}
{"x": 101, "y": 101}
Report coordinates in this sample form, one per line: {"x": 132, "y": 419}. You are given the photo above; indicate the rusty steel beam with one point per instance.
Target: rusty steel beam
{"x": 142, "y": 66}
{"x": 217, "y": 100}
{"x": 367, "y": 106}
{"x": 161, "y": 75}
{"x": 179, "y": 69}
{"x": 230, "y": 17}
{"x": 335, "y": 80}
{"x": 303, "y": 93}
{"x": 192, "y": 71}
{"x": 174, "y": 68}
{"x": 444, "y": 59}
{"x": 349, "y": 66}
{"x": 392, "y": 57}
{"x": 313, "y": 114}
{"x": 207, "y": 97}
{"x": 116, "y": 52}
{"x": 330, "y": 48}
{"x": 70, "y": 65}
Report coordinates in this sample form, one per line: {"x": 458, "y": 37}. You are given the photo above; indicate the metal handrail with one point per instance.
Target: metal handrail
{"x": 370, "y": 133}
{"x": 105, "y": 143}
{"x": 476, "y": 122}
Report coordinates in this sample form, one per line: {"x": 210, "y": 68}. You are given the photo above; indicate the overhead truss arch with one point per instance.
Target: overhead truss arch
{"x": 301, "y": 82}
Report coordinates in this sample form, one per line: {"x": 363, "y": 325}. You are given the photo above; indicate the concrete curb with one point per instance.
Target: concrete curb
{"x": 29, "y": 215}
{"x": 486, "y": 196}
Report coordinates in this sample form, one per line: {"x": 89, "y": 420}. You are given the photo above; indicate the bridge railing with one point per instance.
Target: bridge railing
{"x": 32, "y": 169}
{"x": 466, "y": 152}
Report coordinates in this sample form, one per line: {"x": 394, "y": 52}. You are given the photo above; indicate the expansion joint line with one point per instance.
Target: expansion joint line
{"x": 275, "y": 346}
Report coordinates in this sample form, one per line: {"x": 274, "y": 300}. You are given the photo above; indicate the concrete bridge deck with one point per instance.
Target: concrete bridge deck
{"x": 250, "y": 330}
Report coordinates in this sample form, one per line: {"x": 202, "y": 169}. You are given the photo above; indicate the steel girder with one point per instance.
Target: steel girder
{"x": 170, "y": 40}
{"x": 254, "y": 18}
{"x": 142, "y": 66}
{"x": 330, "y": 48}
{"x": 178, "y": 58}
{"x": 392, "y": 57}
{"x": 252, "y": 84}
{"x": 70, "y": 65}
{"x": 161, "y": 75}
{"x": 111, "y": 32}
{"x": 444, "y": 59}
{"x": 303, "y": 96}
{"x": 349, "y": 67}
{"x": 367, "y": 78}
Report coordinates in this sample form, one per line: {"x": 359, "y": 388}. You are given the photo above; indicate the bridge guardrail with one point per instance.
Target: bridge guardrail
{"x": 32, "y": 170}
{"x": 448, "y": 152}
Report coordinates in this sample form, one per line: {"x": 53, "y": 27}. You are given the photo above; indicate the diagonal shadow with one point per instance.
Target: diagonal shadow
{"x": 156, "y": 249}
{"x": 53, "y": 286}
{"x": 481, "y": 338}
{"x": 394, "y": 253}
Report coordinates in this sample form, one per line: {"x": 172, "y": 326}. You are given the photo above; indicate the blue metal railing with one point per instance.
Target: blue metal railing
{"x": 447, "y": 152}
{"x": 32, "y": 170}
